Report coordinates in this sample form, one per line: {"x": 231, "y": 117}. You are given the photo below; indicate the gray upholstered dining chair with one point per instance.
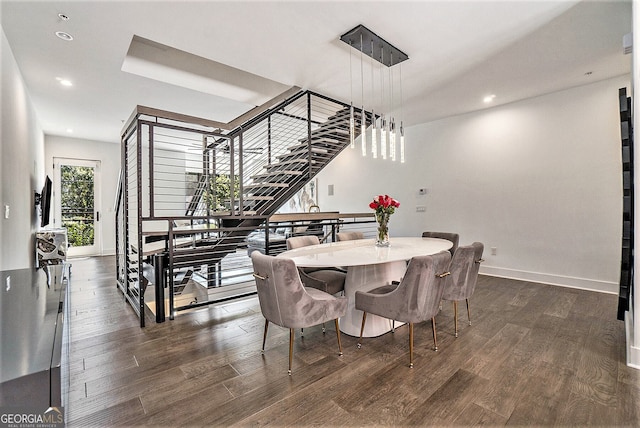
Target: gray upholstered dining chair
{"x": 415, "y": 299}
{"x": 464, "y": 269}
{"x": 286, "y": 302}
{"x": 349, "y": 236}
{"x": 328, "y": 279}
{"x": 453, "y": 237}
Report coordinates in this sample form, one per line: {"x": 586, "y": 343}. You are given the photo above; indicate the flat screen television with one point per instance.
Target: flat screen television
{"x": 45, "y": 202}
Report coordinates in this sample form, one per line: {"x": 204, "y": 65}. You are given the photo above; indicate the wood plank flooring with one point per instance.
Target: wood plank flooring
{"x": 535, "y": 355}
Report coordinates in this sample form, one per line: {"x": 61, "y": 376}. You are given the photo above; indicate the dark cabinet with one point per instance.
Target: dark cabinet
{"x": 34, "y": 338}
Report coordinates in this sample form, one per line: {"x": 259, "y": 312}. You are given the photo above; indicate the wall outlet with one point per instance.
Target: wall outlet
{"x": 330, "y": 190}
{"x": 421, "y": 208}
{"x": 494, "y": 251}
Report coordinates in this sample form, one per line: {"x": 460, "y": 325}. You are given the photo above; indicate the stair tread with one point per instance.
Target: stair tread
{"x": 337, "y": 121}
{"x": 340, "y": 113}
{"x": 276, "y": 173}
{"x": 287, "y": 162}
{"x": 258, "y": 198}
{"x": 259, "y": 185}
{"x": 324, "y": 131}
{"x": 302, "y": 154}
{"x": 316, "y": 156}
{"x": 266, "y": 191}
{"x": 327, "y": 146}
{"x": 304, "y": 148}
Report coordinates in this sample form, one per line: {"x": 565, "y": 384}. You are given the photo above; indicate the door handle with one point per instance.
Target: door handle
{"x": 97, "y": 215}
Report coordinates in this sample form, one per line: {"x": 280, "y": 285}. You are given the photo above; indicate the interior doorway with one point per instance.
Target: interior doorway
{"x": 77, "y": 204}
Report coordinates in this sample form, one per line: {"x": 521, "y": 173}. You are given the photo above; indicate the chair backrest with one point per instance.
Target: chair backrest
{"x": 464, "y": 268}
{"x": 417, "y": 297}
{"x": 453, "y": 237}
{"x": 349, "y": 236}
{"x": 475, "y": 269}
{"x": 283, "y": 299}
{"x": 302, "y": 241}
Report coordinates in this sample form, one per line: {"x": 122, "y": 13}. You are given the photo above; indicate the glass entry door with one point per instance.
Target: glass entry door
{"x": 77, "y": 199}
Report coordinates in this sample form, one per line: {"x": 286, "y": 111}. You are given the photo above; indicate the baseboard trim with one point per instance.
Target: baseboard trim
{"x": 633, "y": 352}
{"x": 545, "y": 278}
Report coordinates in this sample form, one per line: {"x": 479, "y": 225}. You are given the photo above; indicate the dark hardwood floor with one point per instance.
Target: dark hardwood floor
{"x": 535, "y": 355}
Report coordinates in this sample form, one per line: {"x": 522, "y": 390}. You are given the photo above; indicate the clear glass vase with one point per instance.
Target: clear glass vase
{"x": 382, "y": 239}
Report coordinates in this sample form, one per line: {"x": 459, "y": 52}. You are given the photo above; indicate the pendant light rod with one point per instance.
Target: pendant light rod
{"x": 352, "y": 123}
{"x": 383, "y": 121}
{"x": 374, "y": 132}
{"x": 369, "y": 43}
{"x": 363, "y": 113}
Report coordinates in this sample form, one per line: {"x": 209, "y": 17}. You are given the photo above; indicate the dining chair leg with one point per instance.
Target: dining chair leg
{"x": 338, "y": 334}
{"x": 393, "y": 326}
{"x": 435, "y": 340}
{"x": 264, "y": 338}
{"x": 455, "y": 315}
{"x": 291, "y": 336}
{"x": 364, "y": 318}
{"x": 302, "y": 332}
{"x": 324, "y": 330}
{"x": 411, "y": 345}
{"x": 468, "y": 312}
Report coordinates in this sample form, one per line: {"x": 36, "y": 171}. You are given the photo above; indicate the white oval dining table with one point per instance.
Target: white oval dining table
{"x": 368, "y": 266}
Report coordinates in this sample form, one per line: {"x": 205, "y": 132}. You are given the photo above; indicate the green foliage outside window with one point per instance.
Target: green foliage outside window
{"x": 79, "y": 233}
{"x": 218, "y": 196}
{"x": 76, "y": 199}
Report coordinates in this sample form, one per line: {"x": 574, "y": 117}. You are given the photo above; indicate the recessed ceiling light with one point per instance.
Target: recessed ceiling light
{"x": 63, "y": 17}
{"x": 64, "y": 36}
{"x": 64, "y": 82}
{"x": 489, "y": 98}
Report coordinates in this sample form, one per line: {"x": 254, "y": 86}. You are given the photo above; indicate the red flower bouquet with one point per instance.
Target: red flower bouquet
{"x": 384, "y": 205}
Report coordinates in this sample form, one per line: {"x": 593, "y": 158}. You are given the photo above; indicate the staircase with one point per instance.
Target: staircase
{"x": 309, "y": 145}
{"x": 226, "y": 178}
{"x": 292, "y": 170}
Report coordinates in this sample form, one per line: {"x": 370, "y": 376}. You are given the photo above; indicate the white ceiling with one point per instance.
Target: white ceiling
{"x": 459, "y": 51}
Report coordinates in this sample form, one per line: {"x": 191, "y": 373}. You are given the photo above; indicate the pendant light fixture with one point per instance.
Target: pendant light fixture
{"x": 392, "y": 140}
{"x": 359, "y": 37}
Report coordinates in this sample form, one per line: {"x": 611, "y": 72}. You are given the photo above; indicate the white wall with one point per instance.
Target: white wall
{"x": 540, "y": 180}
{"x": 109, "y": 156}
{"x": 170, "y": 191}
{"x": 22, "y": 165}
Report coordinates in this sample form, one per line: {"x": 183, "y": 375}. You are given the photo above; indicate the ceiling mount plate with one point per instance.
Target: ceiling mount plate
{"x": 374, "y": 46}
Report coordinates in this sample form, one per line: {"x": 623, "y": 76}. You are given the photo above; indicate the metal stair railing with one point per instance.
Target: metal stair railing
{"x": 181, "y": 171}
